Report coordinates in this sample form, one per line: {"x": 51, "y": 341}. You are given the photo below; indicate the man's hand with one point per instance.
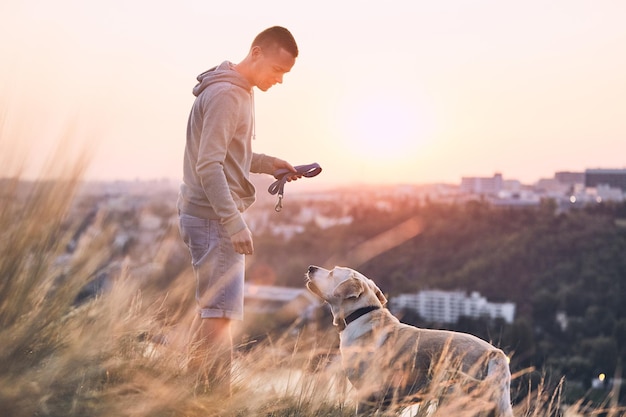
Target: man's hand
{"x": 280, "y": 164}
{"x": 242, "y": 242}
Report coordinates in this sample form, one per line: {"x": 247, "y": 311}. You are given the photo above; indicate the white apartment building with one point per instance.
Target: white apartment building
{"x": 448, "y": 306}
{"x": 482, "y": 185}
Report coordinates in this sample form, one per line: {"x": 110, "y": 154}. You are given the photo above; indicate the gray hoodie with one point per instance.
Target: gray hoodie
{"x": 218, "y": 153}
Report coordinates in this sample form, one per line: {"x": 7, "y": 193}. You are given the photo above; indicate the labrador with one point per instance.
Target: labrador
{"x": 391, "y": 364}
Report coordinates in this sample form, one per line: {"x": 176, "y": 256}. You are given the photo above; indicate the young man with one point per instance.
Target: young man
{"x": 216, "y": 191}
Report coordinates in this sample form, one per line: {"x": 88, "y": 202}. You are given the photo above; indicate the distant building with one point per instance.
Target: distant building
{"x": 606, "y": 193}
{"x": 614, "y": 178}
{"x": 482, "y": 185}
{"x": 448, "y": 306}
{"x": 553, "y": 187}
{"x": 570, "y": 178}
{"x": 562, "y": 185}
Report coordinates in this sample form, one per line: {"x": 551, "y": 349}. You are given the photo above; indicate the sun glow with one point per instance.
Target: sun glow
{"x": 386, "y": 127}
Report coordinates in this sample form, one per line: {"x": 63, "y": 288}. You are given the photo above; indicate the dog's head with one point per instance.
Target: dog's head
{"x": 345, "y": 290}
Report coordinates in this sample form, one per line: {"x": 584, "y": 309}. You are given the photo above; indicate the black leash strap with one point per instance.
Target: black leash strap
{"x": 278, "y": 186}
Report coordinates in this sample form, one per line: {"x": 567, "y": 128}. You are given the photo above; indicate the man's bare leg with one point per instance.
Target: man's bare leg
{"x": 211, "y": 354}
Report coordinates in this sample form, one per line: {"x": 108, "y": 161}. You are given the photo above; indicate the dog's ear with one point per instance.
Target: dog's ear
{"x": 381, "y": 296}
{"x": 350, "y": 288}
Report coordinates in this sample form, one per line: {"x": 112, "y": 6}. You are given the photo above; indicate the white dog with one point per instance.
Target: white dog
{"x": 392, "y": 364}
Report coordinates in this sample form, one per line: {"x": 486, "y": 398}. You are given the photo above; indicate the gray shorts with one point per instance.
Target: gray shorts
{"x": 219, "y": 270}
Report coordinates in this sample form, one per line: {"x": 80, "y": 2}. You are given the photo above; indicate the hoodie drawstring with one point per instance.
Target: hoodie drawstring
{"x": 253, "y": 116}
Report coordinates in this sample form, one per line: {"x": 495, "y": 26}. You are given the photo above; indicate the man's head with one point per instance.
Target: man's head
{"x": 272, "y": 54}
{"x": 275, "y": 38}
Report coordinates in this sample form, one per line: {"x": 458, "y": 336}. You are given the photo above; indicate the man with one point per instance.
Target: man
{"x": 216, "y": 191}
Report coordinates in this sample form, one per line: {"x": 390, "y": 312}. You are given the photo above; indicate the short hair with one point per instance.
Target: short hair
{"x": 277, "y": 37}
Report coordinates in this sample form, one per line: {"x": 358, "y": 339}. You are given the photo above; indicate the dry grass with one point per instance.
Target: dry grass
{"x": 107, "y": 356}
{"x": 120, "y": 355}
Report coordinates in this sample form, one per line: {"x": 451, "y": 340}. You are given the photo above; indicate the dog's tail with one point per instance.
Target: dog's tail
{"x": 499, "y": 375}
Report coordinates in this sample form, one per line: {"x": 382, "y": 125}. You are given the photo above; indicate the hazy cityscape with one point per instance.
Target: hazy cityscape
{"x": 567, "y": 189}
{"x": 156, "y": 220}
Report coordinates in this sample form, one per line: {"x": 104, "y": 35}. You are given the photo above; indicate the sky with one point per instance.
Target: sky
{"x": 382, "y": 92}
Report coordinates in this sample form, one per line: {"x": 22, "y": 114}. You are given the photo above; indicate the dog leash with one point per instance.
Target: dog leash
{"x": 281, "y": 175}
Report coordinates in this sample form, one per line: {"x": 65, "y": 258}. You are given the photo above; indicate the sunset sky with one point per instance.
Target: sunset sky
{"x": 383, "y": 92}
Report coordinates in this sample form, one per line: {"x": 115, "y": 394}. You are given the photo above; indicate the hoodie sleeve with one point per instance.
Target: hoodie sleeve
{"x": 262, "y": 164}
{"x": 217, "y": 132}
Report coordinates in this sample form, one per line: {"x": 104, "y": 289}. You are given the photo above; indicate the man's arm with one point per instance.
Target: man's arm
{"x": 264, "y": 164}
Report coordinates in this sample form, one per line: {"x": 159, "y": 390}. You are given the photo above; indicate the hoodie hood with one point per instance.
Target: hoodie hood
{"x": 225, "y": 72}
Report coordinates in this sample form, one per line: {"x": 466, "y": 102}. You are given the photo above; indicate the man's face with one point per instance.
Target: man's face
{"x": 271, "y": 65}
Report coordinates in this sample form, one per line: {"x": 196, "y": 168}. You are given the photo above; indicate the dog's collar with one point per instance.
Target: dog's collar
{"x": 359, "y": 312}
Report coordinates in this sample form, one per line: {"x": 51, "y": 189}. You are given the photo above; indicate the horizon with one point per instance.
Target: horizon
{"x": 316, "y": 184}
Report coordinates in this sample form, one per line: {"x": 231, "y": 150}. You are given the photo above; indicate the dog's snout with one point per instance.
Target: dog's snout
{"x": 312, "y": 269}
